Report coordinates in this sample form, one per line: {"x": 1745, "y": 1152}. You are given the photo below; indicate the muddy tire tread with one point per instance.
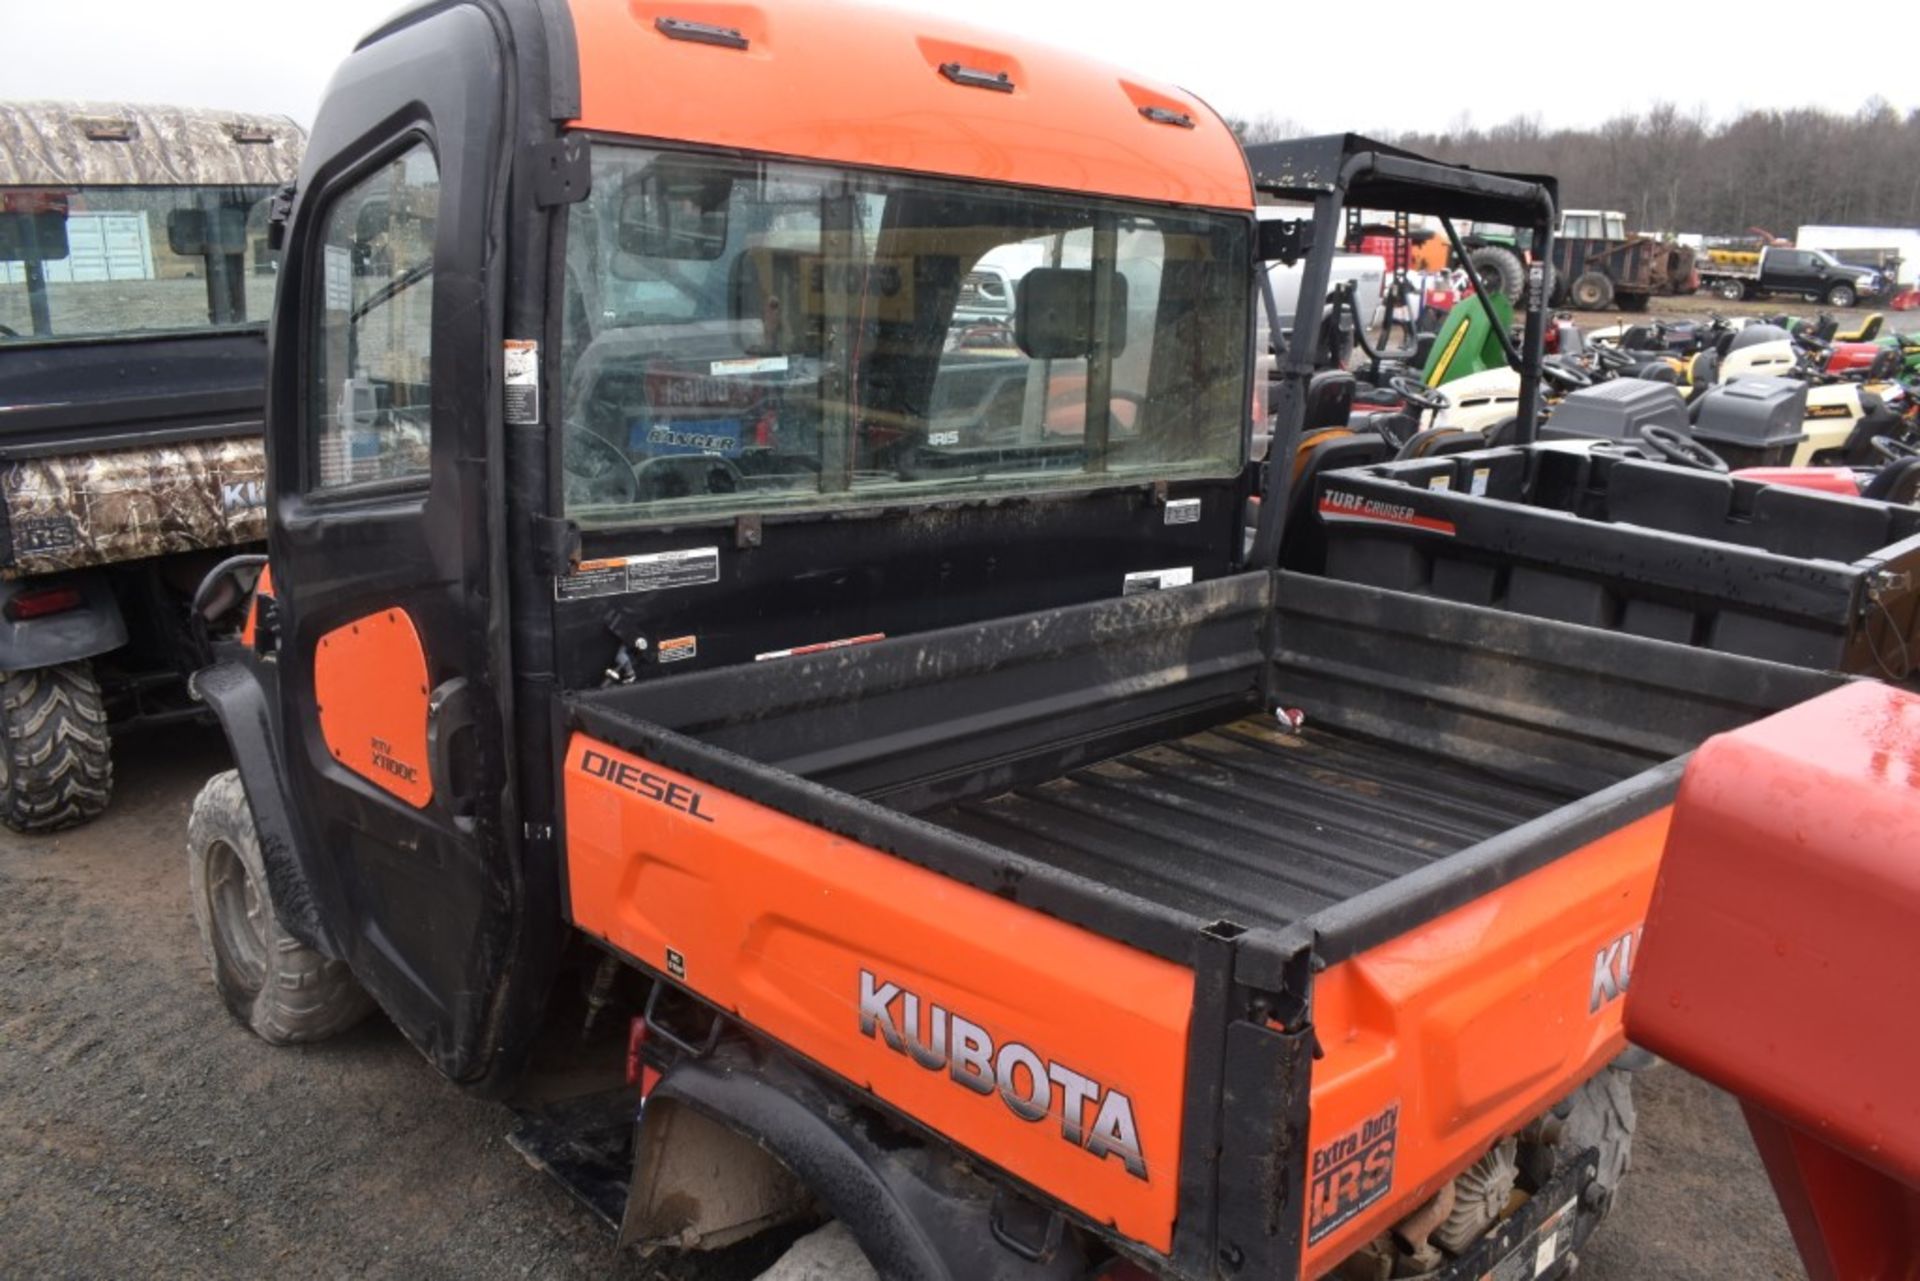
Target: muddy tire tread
{"x": 306, "y": 996}
{"x": 59, "y": 753}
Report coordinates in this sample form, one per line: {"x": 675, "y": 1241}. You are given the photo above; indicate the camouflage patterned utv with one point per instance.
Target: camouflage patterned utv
{"x": 135, "y": 277}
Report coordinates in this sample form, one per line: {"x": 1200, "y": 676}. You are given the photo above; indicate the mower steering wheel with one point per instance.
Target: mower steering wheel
{"x": 1893, "y": 449}
{"x": 1682, "y": 450}
{"x": 1418, "y": 394}
{"x": 1611, "y": 357}
{"x": 1565, "y": 376}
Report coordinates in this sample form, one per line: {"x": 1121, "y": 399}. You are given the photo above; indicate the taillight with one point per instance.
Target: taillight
{"x": 42, "y": 601}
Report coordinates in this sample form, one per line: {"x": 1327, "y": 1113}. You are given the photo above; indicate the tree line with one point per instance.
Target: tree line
{"x": 1679, "y": 171}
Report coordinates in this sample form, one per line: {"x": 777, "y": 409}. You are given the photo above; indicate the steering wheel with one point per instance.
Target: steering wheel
{"x": 598, "y": 467}
{"x": 684, "y": 475}
{"x": 1418, "y": 394}
{"x": 1611, "y": 357}
{"x": 1681, "y": 450}
{"x": 1893, "y": 449}
{"x": 1566, "y": 377}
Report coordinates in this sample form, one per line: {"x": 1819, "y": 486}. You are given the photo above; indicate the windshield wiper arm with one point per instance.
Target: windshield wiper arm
{"x": 399, "y": 284}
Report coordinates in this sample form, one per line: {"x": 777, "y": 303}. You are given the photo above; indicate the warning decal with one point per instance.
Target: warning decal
{"x": 1336, "y": 505}
{"x": 658, "y": 571}
{"x": 1351, "y": 1173}
{"x": 522, "y": 361}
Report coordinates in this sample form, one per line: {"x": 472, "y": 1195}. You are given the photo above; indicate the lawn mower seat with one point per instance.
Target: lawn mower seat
{"x": 1303, "y": 543}
{"x": 1432, "y": 442}
{"x": 1329, "y": 401}
{"x": 1897, "y": 482}
{"x": 1868, "y": 331}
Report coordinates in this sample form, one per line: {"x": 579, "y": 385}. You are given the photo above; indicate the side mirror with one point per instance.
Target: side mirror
{"x": 675, "y": 212}
{"x": 32, "y": 237}
{"x": 200, "y": 233}
{"x": 1053, "y": 313}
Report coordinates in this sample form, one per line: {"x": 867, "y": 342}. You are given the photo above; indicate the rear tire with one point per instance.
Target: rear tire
{"x": 1732, "y": 290}
{"x": 1500, "y": 270}
{"x": 57, "y": 767}
{"x": 1600, "y": 1115}
{"x": 1591, "y": 291}
{"x": 278, "y": 986}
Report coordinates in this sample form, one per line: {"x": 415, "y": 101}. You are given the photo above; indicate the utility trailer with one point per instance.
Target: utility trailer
{"x": 939, "y": 822}
{"x": 135, "y": 280}
{"x": 1607, "y": 540}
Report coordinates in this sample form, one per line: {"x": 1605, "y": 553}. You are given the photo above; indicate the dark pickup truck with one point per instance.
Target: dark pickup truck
{"x": 1813, "y": 274}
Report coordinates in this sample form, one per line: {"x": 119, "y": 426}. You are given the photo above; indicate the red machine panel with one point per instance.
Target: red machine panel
{"x": 1780, "y": 961}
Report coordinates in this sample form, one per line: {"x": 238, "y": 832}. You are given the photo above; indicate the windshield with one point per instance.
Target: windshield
{"x": 745, "y": 334}
{"x": 123, "y": 260}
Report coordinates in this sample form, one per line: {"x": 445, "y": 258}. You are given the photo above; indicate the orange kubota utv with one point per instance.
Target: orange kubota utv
{"x": 686, "y": 623}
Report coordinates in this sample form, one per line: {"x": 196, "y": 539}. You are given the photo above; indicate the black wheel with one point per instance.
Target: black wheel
{"x": 1842, "y": 295}
{"x": 1600, "y": 1115}
{"x": 57, "y": 769}
{"x": 272, "y": 982}
{"x": 1591, "y": 291}
{"x": 1500, "y": 270}
{"x": 1731, "y": 290}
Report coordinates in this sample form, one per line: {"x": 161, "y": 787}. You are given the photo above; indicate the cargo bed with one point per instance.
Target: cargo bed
{"x": 1119, "y": 764}
{"x": 1251, "y": 822}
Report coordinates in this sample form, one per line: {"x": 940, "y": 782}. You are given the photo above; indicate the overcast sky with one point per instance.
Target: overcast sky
{"x": 1326, "y": 66}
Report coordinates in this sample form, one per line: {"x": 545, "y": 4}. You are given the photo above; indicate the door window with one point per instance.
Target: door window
{"x": 369, "y": 400}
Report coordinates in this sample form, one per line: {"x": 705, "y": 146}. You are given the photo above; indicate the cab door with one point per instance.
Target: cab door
{"x": 384, "y": 408}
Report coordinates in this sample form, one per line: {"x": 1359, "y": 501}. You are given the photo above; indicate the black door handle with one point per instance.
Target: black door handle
{"x": 451, "y": 761}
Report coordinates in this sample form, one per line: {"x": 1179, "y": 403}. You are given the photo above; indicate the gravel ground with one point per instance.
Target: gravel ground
{"x": 143, "y": 1132}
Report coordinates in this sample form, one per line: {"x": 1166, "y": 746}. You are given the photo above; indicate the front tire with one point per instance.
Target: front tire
{"x": 1842, "y": 295}
{"x": 278, "y": 986}
{"x": 56, "y": 769}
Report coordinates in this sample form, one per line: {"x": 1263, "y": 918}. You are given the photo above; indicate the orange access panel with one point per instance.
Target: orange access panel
{"x": 1442, "y": 1042}
{"x": 1048, "y": 1050}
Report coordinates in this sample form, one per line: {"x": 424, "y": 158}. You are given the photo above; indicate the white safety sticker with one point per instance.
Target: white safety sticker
{"x": 336, "y": 270}
{"x": 1443, "y": 481}
{"x": 1154, "y": 580}
{"x": 522, "y": 361}
{"x": 1478, "y": 486}
{"x": 657, "y": 571}
{"x": 748, "y": 365}
{"x": 1183, "y": 511}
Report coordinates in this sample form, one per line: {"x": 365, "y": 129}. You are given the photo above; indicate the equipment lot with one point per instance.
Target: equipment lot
{"x": 144, "y": 1132}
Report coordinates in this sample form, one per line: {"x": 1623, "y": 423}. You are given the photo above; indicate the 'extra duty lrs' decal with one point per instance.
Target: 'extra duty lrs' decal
{"x": 940, "y": 1040}
{"x": 1336, "y": 505}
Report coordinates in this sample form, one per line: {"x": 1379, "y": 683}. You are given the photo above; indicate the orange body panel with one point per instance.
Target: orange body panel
{"x": 829, "y": 81}
{"x": 370, "y": 680}
{"x": 262, "y": 588}
{"x": 776, "y": 920}
{"x": 1476, "y": 1023}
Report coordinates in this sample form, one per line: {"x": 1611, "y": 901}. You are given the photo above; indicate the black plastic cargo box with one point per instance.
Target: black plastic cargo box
{"x": 1592, "y": 537}
{"x": 1753, "y": 422}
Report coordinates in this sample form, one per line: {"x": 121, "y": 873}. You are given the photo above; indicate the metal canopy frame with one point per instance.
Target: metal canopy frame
{"x": 1335, "y": 171}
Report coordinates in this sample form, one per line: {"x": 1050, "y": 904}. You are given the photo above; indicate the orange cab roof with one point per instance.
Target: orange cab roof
{"x": 832, "y": 81}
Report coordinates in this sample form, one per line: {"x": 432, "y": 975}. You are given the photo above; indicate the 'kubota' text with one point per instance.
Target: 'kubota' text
{"x": 940, "y": 1040}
